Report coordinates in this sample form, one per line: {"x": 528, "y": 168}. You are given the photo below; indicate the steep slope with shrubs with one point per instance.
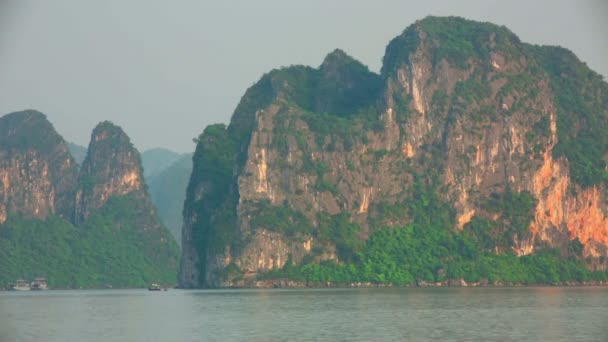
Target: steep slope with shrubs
{"x": 471, "y": 155}
{"x": 79, "y": 228}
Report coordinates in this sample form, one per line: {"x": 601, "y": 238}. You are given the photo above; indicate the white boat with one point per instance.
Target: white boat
{"x": 154, "y": 287}
{"x": 39, "y": 284}
{"x": 20, "y": 285}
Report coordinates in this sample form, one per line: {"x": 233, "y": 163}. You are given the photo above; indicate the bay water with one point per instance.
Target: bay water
{"x": 374, "y": 314}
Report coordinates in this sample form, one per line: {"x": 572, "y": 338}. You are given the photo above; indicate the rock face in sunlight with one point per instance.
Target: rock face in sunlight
{"x": 112, "y": 167}
{"x": 37, "y": 172}
{"x": 103, "y": 204}
{"x": 497, "y": 128}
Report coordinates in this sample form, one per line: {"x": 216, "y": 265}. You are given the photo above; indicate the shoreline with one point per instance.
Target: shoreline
{"x": 286, "y": 284}
{"x": 296, "y": 284}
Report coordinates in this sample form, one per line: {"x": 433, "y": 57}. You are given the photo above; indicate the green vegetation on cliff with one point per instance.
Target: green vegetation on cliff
{"x": 341, "y": 86}
{"x": 28, "y": 129}
{"x": 459, "y": 117}
{"x": 429, "y": 250}
{"x": 213, "y": 199}
{"x": 457, "y": 40}
{"x": 581, "y": 96}
{"x": 513, "y": 214}
{"x": 279, "y": 218}
{"x": 454, "y": 39}
{"x": 95, "y": 229}
{"x": 112, "y": 248}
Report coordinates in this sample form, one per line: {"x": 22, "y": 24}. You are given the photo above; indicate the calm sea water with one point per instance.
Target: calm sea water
{"x": 430, "y": 314}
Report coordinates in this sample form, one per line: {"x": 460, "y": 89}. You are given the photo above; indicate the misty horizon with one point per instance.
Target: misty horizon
{"x": 165, "y": 73}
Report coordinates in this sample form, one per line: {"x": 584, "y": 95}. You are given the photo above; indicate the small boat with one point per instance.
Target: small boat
{"x": 154, "y": 287}
{"x": 20, "y": 285}
{"x": 39, "y": 284}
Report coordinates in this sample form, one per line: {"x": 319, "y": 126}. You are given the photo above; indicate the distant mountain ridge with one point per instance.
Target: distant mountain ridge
{"x": 78, "y": 152}
{"x": 168, "y": 192}
{"x": 156, "y": 160}
{"x": 166, "y": 173}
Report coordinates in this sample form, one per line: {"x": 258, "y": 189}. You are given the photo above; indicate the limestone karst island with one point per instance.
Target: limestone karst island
{"x": 471, "y": 158}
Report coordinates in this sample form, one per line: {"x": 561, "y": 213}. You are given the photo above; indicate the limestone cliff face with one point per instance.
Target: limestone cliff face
{"x": 37, "y": 172}
{"x": 476, "y": 115}
{"x": 112, "y": 167}
{"x": 104, "y": 204}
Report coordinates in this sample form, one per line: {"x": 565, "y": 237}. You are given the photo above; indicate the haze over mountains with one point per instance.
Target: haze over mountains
{"x": 168, "y": 191}
{"x": 156, "y": 160}
{"x": 166, "y": 173}
{"x": 472, "y": 157}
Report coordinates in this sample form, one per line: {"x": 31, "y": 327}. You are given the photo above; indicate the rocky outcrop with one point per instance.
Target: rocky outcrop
{"x": 37, "y": 172}
{"x": 471, "y": 112}
{"x": 112, "y": 167}
{"x": 104, "y": 204}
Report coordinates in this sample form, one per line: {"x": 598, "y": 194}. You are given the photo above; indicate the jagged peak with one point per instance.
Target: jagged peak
{"x": 112, "y": 167}
{"x": 26, "y": 118}
{"x": 24, "y": 115}
{"x": 449, "y": 22}
{"x": 339, "y": 61}
{"x": 337, "y": 58}
{"x": 336, "y": 54}
{"x": 108, "y": 138}
{"x": 28, "y": 129}
{"x": 108, "y": 131}
{"x": 457, "y": 28}
{"x": 556, "y": 58}
{"x": 454, "y": 39}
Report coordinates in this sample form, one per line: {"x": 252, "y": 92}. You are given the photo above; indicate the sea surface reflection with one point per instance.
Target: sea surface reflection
{"x": 429, "y": 314}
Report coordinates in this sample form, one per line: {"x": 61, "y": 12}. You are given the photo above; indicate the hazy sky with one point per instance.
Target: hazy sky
{"x": 163, "y": 70}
